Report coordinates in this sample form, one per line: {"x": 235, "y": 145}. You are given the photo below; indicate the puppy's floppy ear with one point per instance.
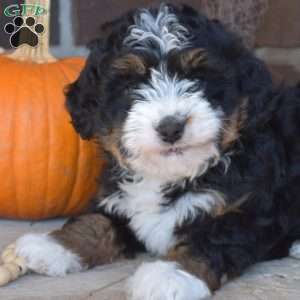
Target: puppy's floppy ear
{"x": 84, "y": 97}
{"x": 80, "y": 107}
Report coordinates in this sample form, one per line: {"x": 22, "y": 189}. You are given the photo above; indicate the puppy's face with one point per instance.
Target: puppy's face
{"x": 164, "y": 100}
{"x": 171, "y": 128}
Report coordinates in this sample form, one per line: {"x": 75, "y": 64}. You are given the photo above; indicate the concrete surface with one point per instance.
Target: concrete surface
{"x": 276, "y": 280}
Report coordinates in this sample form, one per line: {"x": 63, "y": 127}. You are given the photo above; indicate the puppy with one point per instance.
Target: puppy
{"x": 203, "y": 158}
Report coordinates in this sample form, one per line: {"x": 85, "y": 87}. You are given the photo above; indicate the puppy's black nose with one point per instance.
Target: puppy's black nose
{"x": 171, "y": 129}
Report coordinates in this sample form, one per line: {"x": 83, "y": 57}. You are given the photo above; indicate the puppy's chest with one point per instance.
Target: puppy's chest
{"x": 150, "y": 216}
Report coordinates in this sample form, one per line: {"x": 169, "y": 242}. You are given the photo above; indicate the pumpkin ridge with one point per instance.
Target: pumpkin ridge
{"x": 8, "y": 116}
{"x": 45, "y": 207}
{"x": 15, "y": 170}
{"x": 47, "y": 170}
{"x": 27, "y": 162}
{"x": 75, "y": 182}
{"x": 12, "y": 155}
{"x": 83, "y": 149}
{"x": 60, "y": 136}
{"x": 70, "y": 193}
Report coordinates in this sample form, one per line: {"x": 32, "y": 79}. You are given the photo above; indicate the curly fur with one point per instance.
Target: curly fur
{"x": 247, "y": 160}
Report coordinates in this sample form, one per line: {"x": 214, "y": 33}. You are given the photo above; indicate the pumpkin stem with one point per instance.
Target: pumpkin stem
{"x": 41, "y": 52}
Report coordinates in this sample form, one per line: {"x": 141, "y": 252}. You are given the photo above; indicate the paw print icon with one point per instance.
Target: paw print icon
{"x": 24, "y": 31}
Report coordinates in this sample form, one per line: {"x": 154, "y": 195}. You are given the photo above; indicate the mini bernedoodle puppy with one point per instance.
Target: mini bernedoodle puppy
{"x": 203, "y": 158}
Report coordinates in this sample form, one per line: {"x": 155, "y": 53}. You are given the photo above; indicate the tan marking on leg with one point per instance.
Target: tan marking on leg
{"x": 92, "y": 237}
{"x": 197, "y": 266}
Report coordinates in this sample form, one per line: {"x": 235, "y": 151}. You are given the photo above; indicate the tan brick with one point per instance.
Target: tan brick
{"x": 285, "y": 74}
{"x": 281, "y": 25}
{"x": 276, "y": 280}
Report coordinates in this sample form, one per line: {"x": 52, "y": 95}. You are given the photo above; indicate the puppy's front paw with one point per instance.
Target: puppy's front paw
{"x": 295, "y": 250}
{"x": 165, "y": 281}
{"x": 44, "y": 255}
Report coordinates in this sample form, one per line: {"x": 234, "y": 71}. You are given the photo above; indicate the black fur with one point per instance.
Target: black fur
{"x": 265, "y": 160}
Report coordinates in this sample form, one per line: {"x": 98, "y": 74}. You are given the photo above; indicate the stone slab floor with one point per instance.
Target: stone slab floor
{"x": 276, "y": 280}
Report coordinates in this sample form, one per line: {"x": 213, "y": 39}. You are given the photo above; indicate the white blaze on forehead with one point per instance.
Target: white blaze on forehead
{"x": 161, "y": 85}
{"x": 161, "y": 31}
{"x": 163, "y": 96}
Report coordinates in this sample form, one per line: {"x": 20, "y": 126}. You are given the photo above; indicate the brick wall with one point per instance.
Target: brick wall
{"x": 278, "y": 39}
{"x": 75, "y": 22}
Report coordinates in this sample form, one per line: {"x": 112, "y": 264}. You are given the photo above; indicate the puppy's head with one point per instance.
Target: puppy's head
{"x": 166, "y": 90}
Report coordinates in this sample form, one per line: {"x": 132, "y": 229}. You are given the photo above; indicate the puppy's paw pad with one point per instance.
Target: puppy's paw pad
{"x": 165, "y": 281}
{"x": 295, "y": 250}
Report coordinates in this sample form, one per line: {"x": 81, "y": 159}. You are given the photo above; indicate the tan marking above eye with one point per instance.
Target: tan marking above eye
{"x": 130, "y": 63}
{"x": 193, "y": 58}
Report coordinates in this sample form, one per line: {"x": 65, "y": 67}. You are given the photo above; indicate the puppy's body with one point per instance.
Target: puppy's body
{"x": 203, "y": 157}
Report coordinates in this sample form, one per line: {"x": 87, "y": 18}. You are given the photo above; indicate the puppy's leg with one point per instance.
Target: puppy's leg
{"x": 210, "y": 251}
{"x": 198, "y": 266}
{"x": 181, "y": 276}
{"x": 295, "y": 250}
{"x": 165, "y": 280}
{"x": 84, "y": 242}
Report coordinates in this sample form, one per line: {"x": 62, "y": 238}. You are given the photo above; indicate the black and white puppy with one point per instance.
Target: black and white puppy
{"x": 203, "y": 158}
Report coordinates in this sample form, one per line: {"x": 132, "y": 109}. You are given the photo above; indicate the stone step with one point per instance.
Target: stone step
{"x": 275, "y": 280}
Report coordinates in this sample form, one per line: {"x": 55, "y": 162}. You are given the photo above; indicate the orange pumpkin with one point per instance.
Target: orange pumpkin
{"x": 46, "y": 170}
